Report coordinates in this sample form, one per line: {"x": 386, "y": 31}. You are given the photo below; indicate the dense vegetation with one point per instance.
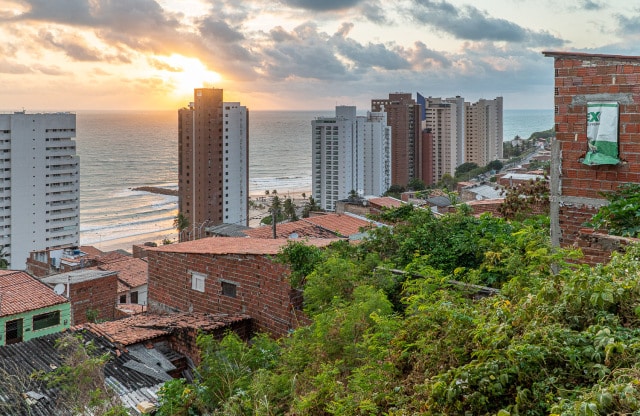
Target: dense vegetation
{"x": 394, "y": 334}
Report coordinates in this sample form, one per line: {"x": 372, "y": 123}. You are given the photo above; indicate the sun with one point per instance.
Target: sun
{"x": 185, "y": 74}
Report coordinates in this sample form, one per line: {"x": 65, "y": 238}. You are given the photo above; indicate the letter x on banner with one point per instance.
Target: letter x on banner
{"x": 602, "y": 134}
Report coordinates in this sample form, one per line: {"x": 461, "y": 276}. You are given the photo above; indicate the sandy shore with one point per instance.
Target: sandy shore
{"x": 259, "y": 209}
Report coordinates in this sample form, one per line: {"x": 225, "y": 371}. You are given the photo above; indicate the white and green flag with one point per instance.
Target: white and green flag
{"x": 602, "y": 134}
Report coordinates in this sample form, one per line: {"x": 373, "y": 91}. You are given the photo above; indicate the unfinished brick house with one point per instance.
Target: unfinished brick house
{"x": 581, "y": 81}
{"x": 227, "y": 275}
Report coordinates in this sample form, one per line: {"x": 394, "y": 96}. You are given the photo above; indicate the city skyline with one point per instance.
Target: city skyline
{"x": 79, "y": 55}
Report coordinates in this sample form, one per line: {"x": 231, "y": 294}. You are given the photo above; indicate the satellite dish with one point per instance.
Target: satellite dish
{"x": 59, "y": 288}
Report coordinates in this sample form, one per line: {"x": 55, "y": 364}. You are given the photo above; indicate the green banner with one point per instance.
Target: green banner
{"x": 602, "y": 134}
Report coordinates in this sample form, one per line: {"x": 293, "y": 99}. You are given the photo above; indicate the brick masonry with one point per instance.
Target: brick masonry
{"x": 597, "y": 247}
{"x": 262, "y": 288}
{"x": 579, "y": 79}
{"x": 98, "y": 295}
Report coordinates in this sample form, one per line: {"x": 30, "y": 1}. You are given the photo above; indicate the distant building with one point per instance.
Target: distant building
{"x": 213, "y": 167}
{"x": 403, "y": 116}
{"x": 444, "y": 137}
{"x": 39, "y": 184}
{"x": 350, "y": 154}
{"x": 483, "y": 131}
{"x": 29, "y": 309}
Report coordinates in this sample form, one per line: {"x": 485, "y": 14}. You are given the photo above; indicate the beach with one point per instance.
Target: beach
{"x": 258, "y": 209}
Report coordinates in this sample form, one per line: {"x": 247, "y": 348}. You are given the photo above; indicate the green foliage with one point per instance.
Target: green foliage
{"x": 465, "y": 167}
{"x": 394, "y": 191}
{"x": 289, "y": 209}
{"x": 310, "y": 206}
{"x": 416, "y": 184}
{"x": 224, "y": 377}
{"x": 301, "y": 258}
{"x": 622, "y": 215}
{"x": 392, "y": 333}
{"x": 495, "y": 165}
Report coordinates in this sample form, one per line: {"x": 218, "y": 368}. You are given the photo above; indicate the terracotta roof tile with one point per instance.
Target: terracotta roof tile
{"x": 143, "y": 327}
{"x": 285, "y": 230}
{"x": 91, "y": 251}
{"x": 20, "y": 293}
{"x": 131, "y": 271}
{"x": 235, "y": 245}
{"x": 385, "y": 201}
{"x": 341, "y": 224}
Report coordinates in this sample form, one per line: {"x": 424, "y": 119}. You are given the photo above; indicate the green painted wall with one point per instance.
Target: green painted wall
{"x": 27, "y": 322}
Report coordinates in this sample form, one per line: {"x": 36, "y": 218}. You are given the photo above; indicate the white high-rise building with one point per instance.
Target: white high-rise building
{"x": 236, "y": 163}
{"x": 39, "y": 184}
{"x": 350, "y": 153}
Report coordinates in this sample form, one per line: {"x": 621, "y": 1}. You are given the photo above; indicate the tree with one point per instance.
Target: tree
{"x": 310, "y": 206}
{"x": 394, "y": 191}
{"x": 416, "y": 184}
{"x": 464, "y": 168}
{"x": 181, "y": 223}
{"x": 526, "y": 199}
{"x": 448, "y": 182}
{"x": 290, "y": 210}
{"x": 4, "y": 263}
{"x": 495, "y": 165}
{"x": 353, "y": 195}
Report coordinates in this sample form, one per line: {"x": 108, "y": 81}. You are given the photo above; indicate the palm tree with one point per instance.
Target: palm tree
{"x": 4, "y": 263}
{"x": 181, "y": 223}
{"x": 290, "y": 210}
{"x": 311, "y": 206}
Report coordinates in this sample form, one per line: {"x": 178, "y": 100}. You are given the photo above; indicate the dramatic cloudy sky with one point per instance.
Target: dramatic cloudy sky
{"x": 295, "y": 54}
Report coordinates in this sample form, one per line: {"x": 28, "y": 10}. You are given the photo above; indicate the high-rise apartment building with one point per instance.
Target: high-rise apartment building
{"x": 403, "y": 116}
{"x": 213, "y": 168}
{"x": 39, "y": 184}
{"x": 483, "y": 131}
{"x": 444, "y": 127}
{"x": 350, "y": 153}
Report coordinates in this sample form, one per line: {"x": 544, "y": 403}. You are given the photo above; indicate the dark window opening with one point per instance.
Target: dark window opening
{"x": 46, "y": 320}
{"x": 229, "y": 289}
{"x": 13, "y": 331}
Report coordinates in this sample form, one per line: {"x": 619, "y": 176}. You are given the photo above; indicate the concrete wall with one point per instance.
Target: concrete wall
{"x": 27, "y": 322}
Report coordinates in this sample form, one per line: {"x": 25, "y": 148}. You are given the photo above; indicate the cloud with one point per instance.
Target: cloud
{"x": 50, "y": 70}
{"x": 7, "y": 67}
{"x": 470, "y": 23}
{"x": 301, "y": 53}
{"x": 72, "y": 46}
{"x": 590, "y": 5}
{"x": 322, "y": 5}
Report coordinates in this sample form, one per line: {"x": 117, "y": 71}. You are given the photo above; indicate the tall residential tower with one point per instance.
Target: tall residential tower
{"x": 39, "y": 184}
{"x": 403, "y": 116}
{"x": 213, "y": 168}
{"x": 350, "y": 154}
{"x": 483, "y": 131}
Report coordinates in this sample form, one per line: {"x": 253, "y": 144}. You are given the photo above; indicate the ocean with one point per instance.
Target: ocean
{"x": 120, "y": 151}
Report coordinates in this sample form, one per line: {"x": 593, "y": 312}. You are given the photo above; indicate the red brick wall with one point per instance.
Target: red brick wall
{"x": 582, "y": 78}
{"x": 96, "y": 294}
{"x": 263, "y": 291}
{"x": 597, "y": 247}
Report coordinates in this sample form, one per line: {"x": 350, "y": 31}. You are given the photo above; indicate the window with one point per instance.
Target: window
{"x": 13, "y": 331}
{"x": 123, "y": 298}
{"x": 134, "y": 296}
{"x": 197, "y": 281}
{"x": 228, "y": 289}
{"x": 46, "y": 320}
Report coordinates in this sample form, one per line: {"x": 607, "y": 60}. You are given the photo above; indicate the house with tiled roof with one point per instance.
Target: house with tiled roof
{"x": 227, "y": 275}
{"x": 132, "y": 278}
{"x": 60, "y": 260}
{"x": 29, "y": 309}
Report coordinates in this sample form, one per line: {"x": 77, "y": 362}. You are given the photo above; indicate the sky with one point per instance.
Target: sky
{"x": 76, "y": 55}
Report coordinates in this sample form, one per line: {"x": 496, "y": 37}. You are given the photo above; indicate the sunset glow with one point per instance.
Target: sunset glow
{"x": 294, "y": 54}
